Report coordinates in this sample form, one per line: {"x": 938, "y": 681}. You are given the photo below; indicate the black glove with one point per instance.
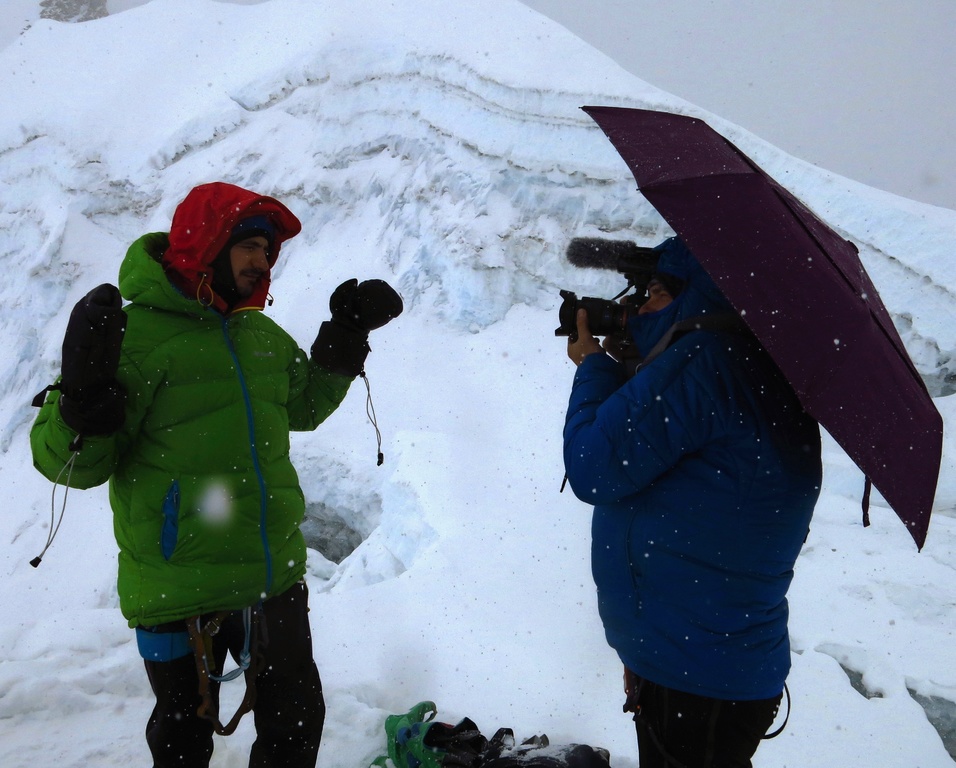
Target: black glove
{"x": 357, "y": 308}
{"x": 91, "y": 400}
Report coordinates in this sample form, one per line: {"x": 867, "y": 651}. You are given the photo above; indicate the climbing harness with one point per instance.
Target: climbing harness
{"x": 251, "y": 662}
{"x": 633, "y": 684}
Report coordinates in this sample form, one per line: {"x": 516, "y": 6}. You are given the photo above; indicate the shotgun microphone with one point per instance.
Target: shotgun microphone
{"x": 622, "y": 256}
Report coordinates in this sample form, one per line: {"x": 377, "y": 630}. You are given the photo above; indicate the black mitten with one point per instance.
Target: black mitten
{"x": 340, "y": 349}
{"x": 100, "y": 412}
{"x": 91, "y": 400}
{"x": 365, "y": 306}
{"x": 357, "y": 308}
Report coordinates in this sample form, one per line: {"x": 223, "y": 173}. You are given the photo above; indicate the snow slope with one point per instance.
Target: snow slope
{"x": 443, "y": 149}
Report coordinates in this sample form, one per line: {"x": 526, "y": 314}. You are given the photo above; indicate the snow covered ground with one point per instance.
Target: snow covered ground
{"x": 441, "y": 147}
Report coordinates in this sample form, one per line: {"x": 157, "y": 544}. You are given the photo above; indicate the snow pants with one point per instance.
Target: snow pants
{"x": 682, "y": 730}
{"x": 289, "y": 711}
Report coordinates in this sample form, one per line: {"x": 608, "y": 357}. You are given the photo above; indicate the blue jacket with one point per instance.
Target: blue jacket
{"x": 703, "y": 470}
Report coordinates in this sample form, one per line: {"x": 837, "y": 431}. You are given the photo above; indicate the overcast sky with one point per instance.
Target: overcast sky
{"x": 863, "y": 88}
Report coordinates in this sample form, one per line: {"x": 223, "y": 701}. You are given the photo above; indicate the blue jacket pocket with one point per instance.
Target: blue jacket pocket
{"x": 170, "y": 532}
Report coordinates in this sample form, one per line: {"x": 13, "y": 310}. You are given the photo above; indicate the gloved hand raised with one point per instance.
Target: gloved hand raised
{"x": 91, "y": 400}
{"x": 365, "y": 306}
{"x": 357, "y": 308}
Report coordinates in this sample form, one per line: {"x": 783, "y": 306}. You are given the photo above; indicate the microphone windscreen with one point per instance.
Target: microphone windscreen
{"x": 599, "y": 253}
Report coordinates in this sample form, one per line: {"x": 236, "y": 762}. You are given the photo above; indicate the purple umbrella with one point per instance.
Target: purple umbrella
{"x": 802, "y": 289}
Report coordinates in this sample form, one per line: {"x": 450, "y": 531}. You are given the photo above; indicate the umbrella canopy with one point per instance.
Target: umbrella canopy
{"x": 802, "y": 290}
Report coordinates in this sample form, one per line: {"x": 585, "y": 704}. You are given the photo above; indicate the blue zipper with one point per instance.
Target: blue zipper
{"x": 255, "y": 455}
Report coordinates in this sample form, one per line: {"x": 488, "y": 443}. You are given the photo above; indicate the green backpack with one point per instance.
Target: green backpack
{"x": 415, "y": 741}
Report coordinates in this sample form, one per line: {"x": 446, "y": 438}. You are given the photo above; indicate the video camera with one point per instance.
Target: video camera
{"x": 606, "y": 317}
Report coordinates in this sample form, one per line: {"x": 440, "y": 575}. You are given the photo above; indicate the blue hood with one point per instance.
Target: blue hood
{"x": 700, "y": 296}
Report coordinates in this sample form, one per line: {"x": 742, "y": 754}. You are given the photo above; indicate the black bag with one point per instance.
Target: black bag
{"x": 538, "y": 752}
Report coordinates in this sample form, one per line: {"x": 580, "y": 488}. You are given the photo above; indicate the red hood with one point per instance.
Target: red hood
{"x": 200, "y": 229}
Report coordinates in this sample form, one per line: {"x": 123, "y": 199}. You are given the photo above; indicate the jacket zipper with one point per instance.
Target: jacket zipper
{"x": 254, "y": 451}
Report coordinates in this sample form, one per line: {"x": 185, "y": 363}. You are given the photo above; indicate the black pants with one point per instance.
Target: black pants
{"x": 682, "y": 730}
{"x": 289, "y": 711}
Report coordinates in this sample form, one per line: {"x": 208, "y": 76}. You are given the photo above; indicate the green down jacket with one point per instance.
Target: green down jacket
{"x": 206, "y": 502}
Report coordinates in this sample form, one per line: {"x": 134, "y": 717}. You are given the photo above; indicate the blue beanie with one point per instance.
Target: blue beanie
{"x": 253, "y": 226}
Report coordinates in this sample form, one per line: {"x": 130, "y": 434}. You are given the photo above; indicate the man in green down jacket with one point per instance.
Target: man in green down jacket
{"x": 184, "y": 400}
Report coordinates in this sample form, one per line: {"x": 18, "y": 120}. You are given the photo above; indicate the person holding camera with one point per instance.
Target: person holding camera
{"x": 703, "y": 470}
{"x": 184, "y": 400}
